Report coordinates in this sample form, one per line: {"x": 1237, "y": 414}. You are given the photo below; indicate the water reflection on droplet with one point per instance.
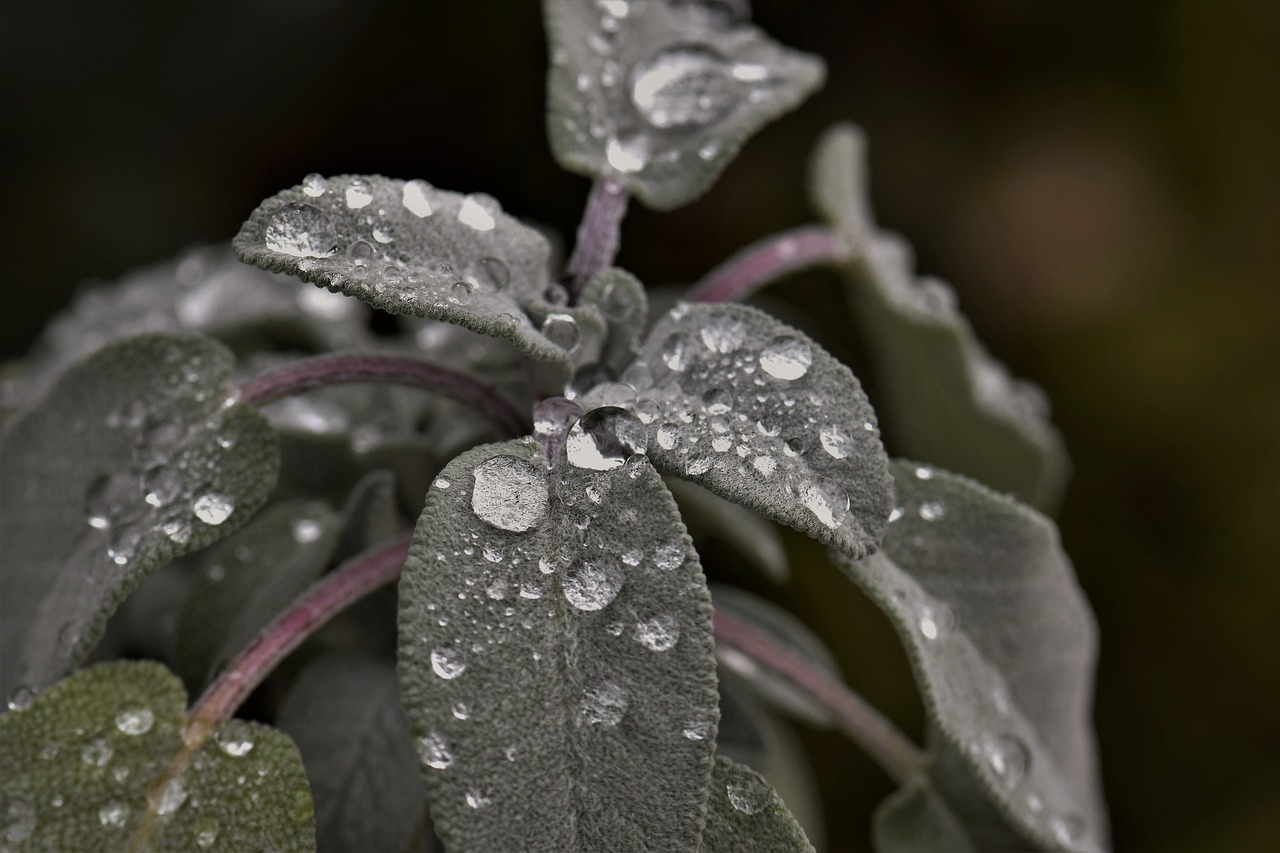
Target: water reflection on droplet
{"x": 786, "y": 357}
{"x": 604, "y": 438}
{"x": 302, "y": 231}
{"x": 509, "y": 493}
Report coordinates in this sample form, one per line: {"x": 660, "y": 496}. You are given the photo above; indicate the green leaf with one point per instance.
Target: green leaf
{"x": 247, "y": 580}
{"x": 660, "y": 96}
{"x": 790, "y": 634}
{"x": 759, "y": 414}
{"x": 556, "y": 656}
{"x": 344, "y": 713}
{"x": 744, "y": 813}
{"x": 132, "y": 459}
{"x": 917, "y": 820}
{"x": 86, "y": 767}
{"x": 1003, "y": 645}
{"x": 409, "y": 248}
{"x": 944, "y": 398}
{"x": 756, "y": 541}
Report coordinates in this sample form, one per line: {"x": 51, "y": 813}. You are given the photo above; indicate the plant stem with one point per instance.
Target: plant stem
{"x": 768, "y": 260}
{"x": 868, "y": 728}
{"x": 328, "y": 597}
{"x": 598, "y": 236}
{"x": 322, "y": 370}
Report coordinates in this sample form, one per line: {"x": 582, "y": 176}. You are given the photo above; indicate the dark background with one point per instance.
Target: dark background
{"x": 1099, "y": 180}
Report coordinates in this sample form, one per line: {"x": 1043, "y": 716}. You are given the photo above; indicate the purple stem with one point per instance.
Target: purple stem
{"x": 768, "y": 260}
{"x": 328, "y": 597}
{"x": 322, "y": 370}
{"x": 598, "y": 235}
{"x": 868, "y": 728}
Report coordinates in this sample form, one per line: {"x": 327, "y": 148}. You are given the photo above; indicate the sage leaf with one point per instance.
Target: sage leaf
{"x": 344, "y": 713}
{"x": 555, "y": 651}
{"x": 87, "y": 767}
{"x": 133, "y": 458}
{"x": 709, "y": 517}
{"x": 660, "y": 96}
{"x": 917, "y": 820}
{"x": 246, "y": 580}
{"x": 408, "y": 248}
{"x": 744, "y": 813}
{"x": 944, "y": 398}
{"x": 1003, "y": 644}
{"x": 757, "y": 413}
{"x": 624, "y": 305}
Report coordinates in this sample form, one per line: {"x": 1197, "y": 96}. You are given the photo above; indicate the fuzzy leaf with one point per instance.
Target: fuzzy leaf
{"x": 555, "y": 648}
{"x": 917, "y": 820}
{"x": 248, "y": 579}
{"x": 344, "y": 714}
{"x": 623, "y": 303}
{"x": 85, "y": 767}
{"x": 1003, "y": 645}
{"x": 758, "y": 542}
{"x": 409, "y": 248}
{"x": 744, "y": 813}
{"x": 130, "y": 460}
{"x": 759, "y": 414}
{"x": 662, "y": 95}
{"x": 946, "y": 400}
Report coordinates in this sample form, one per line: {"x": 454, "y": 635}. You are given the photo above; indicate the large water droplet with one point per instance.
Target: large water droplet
{"x": 509, "y": 493}
{"x": 301, "y": 230}
{"x": 683, "y": 87}
{"x": 825, "y": 498}
{"x": 135, "y": 721}
{"x": 561, "y": 330}
{"x": 414, "y": 198}
{"x": 434, "y": 751}
{"x": 603, "y": 704}
{"x": 604, "y": 438}
{"x": 748, "y": 795}
{"x": 658, "y": 633}
{"x": 213, "y": 508}
{"x": 447, "y": 663}
{"x": 592, "y": 585}
{"x": 786, "y": 357}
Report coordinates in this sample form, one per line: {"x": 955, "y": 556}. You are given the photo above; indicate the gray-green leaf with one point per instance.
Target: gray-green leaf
{"x": 131, "y": 459}
{"x": 944, "y": 398}
{"x": 344, "y": 713}
{"x": 85, "y": 768}
{"x": 660, "y": 96}
{"x": 622, "y": 301}
{"x": 1003, "y": 644}
{"x": 745, "y": 814}
{"x": 556, "y": 657}
{"x": 409, "y": 248}
{"x": 759, "y": 414}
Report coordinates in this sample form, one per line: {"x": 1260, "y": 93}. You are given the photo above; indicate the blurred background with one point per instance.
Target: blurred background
{"x": 1100, "y": 181}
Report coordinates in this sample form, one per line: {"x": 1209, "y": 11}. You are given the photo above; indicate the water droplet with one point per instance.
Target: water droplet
{"x": 161, "y": 485}
{"x": 361, "y": 253}
{"x": 113, "y": 815}
{"x": 135, "y": 721}
{"x": 213, "y": 508}
{"x": 1066, "y": 828}
{"x": 461, "y": 711}
{"x": 616, "y": 302}
{"x": 178, "y": 531}
{"x": 669, "y": 556}
{"x": 632, "y": 557}
{"x": 677, "y": 351}
{"x": 708, "y": 151}
{"x": 561, "y": 330}
{"x": 748, "y": 795}
{"x": 604, "y": 438}
{"x": 896, "y": 514}
{"x": 697, "y": 728}
{"x": 359, "y": 194}
{"x": 698, "y": 465}
{"x": 169, "y": 798}
{"x": 766, "y": 465}
{"x": 659, "y": 633}
{"x": 531, "y": 591}
{"x": 492, "y": 554}
{"x": 836, "y": 441}
{"x": 447, "y": 663}
{"x": 496, "y": 272}
{"x": 302, "y": 231}
{"x": 717, "y": 401}
{"x": 107, "y": 497}
{"x": 923, "y": 473}
{"x": 472, "y": 212}
{"x": 21, "y": 698}
{"x": 206, "y": 832}
{"x": 683, "y": 87}
{"x": 306, "y": 530}
{"x": 786, "y": 357}
{"x": 414, "y": 198}
{"x": 234, "y": 741}
{"x": 314, "y": 185}
{"x": 434, "y": 751}
{"x": 934, "y": 622}
{"x": 510, "y": 493}
{"x": 96, "y": 753}
{"x": 477, "y": 799}
{"x": 825, "y": 499}
{"x": 460, "y": 293}
{"x": 1034, "y": 804}
{"x": 668, "y": 435}
{"x": 383, "y": 233}
{"x": 603, "y": 704}
{"x": 627, "y": 154}
{"x": 124, "y": 544}
{"x": 592, "y": 585}
{"x": 932, "y": 511}
{"x": 1008, "y": 757}
{"x": 723, "y": 336}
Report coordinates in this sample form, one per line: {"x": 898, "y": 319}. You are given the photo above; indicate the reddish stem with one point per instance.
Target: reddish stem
{"x": 322, "y": 370}
{"x": 868, "y": 728}
{"x": 764, "y": 262}
{"x": 328, "y": 597}
{"x": 598, "y": 233}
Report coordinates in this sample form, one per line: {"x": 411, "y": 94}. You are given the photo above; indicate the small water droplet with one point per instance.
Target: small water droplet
{"x": 472, "y": 212}
{"x": 206, "y": 832}
{"x": 748, "y": 795}
{"x": 107, "y": 497}
{"x": 836, "y": 441}
{"x": 477, "y": 799}
{"x": 1008, "y": 757}
{"x": 668, "y": 436}
{"x": 934, "y": 622}
{"x": 509, "y": 493}
{"x": 314, "y": 185}
{"x": 603, "y": 704}
{"x": 717, "y": 401}
{"x": 723, "y": 336}
{"x": 113, "y": 815}
{"x": 384, "y": 233}
{"x": 697, "y": 465}
{"x": 496, "y": 272}
{"x": 461, "y": 711}
{"x": 96, "y": 753}
{"x": 306, "y": 530}
{"x": 786, "y": 357}
{"x": 434, "y": 751}
{"x": 124, "y": 544}
{"x": 460, "y": 293}
{"x": 683, "y": 87}
{"x": 923, "y": 473}
{"x": 161, "y": 485}
{"x": 825, "y": 498}
{"x": 135, "y": 721}
{"x": 616, "y": 302}
{"x": 604, "y": 438}
{"x": 359, "y": 194}
{"x": 932, "y": 511}
{"x": 447, "y": 663}
{"x": 213, "y": 508}
{"x": 234, "y": 741}
{"x": 658, "y": 633}
{"x": 414, "y": 198}
{"x": 669, "y": 556}
{"x": 178, "y": 531}
{"x": 632, "y": 557}
{"x": 627, "y": 154}
{"x": 677, "y": 351}
{"x": 169, "y": 798}
{"x": 302, "y": 231}
{"x": 21, "y": 698}
{"x": 562, "y": 330}
{"x": 1066, "y": 828}
{"x": 592, "y": 585}
{"x": 697, "y": 728}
